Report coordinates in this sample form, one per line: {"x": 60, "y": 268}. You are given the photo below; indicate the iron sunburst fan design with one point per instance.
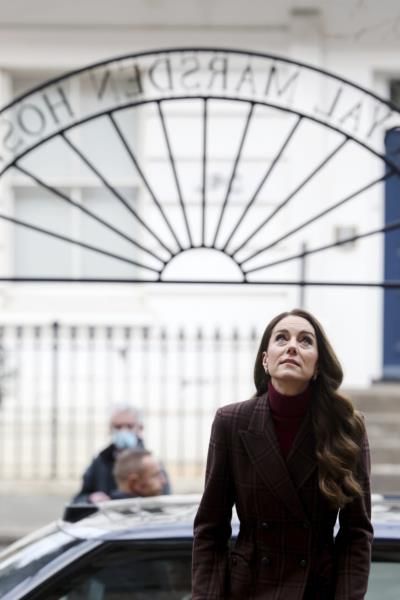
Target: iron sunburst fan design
{"x": 196, "y": 165}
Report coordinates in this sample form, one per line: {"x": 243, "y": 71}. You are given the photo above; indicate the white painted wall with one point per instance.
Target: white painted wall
{"x": 37, "y": 45}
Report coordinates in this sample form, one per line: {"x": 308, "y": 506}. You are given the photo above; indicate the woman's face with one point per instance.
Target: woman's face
{"x": 292, "y": 355}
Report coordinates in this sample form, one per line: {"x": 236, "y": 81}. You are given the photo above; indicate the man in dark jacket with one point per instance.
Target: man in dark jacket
{"x": 126, "y": 428}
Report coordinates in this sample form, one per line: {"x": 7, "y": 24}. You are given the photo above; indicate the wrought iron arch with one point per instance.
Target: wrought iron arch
{"x": 247, "y": 89}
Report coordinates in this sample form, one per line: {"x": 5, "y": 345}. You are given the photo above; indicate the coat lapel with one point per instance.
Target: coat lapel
{"x": 281, "y": 477}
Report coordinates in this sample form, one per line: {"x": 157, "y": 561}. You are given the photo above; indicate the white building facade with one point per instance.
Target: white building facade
{"x": 318, "y": 141}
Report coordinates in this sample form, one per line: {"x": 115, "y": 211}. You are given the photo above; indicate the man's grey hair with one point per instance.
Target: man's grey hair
{"x": 116, "y": 409}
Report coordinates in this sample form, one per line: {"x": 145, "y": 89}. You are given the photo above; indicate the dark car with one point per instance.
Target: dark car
{"x": 141, "y": 550}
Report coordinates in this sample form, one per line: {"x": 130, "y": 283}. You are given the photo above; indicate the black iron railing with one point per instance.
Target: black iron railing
{"x": 59, "y": 382}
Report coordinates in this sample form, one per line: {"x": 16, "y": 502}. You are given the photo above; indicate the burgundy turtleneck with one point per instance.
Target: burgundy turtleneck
{"x": 287, "y": 414}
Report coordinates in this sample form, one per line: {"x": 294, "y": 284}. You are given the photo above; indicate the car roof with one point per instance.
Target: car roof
{"x": 172, "y": 517}
{"x": 386, "y": 516}
{"x": 138, "y": 518}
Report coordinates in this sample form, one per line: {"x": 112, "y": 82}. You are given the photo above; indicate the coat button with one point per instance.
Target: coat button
{"x": 264, "y": 525}
{"x": 303, "y": 563}
{"x": 265, "y": 561}
{"x": 234, "y": 560}
{"x": 306, "y": 525}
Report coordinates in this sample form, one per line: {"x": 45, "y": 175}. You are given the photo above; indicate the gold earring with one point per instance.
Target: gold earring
{"x": 265, "y": 365}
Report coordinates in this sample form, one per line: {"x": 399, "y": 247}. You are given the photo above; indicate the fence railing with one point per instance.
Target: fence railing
{"x": 58, "y": 383}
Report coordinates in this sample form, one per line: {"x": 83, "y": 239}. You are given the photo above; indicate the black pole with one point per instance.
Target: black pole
{"x": 302, "y": 275}
{"x": 54, "y": 402}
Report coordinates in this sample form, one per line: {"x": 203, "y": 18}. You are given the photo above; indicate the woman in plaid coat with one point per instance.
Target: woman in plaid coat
{"x": 291, "y": 459}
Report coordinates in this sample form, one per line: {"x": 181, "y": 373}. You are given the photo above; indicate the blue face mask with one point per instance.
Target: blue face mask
{"x": 124, "y": 438}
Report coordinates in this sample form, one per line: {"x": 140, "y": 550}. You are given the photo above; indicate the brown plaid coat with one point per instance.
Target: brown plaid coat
{"x": 286, "y": 548}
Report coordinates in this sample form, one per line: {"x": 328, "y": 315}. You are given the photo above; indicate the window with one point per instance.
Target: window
{"x": 78, "y": 170}
{"x": 39, "y": 254}
{"x": 28, "y": 559}
{"x": 126, "y": 571}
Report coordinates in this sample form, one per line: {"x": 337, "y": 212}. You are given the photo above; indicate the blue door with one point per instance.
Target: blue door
{"x": 391, "y": 340}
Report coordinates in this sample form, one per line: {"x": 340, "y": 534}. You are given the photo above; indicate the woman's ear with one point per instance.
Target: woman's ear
{"x": 265, "y": 361}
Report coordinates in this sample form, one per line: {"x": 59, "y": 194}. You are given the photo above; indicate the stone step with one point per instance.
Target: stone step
{"x": 380, "y": 405}
{"x": 378, "y": 431}
{"x": 386, "y": 418}
{"x": 387, "y": 439}
{"x": 385, "y": 476}
{"x": 385, "y": 456}
{"x": 384, "y": 483}
{"x": 386, "y": 469}
{"x": 377, "y": 398}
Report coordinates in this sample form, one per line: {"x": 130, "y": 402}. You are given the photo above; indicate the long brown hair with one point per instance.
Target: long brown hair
{"x": 338, "y": 427}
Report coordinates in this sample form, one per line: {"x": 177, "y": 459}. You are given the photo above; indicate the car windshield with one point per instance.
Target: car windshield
{"x": 24, "y": 559}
